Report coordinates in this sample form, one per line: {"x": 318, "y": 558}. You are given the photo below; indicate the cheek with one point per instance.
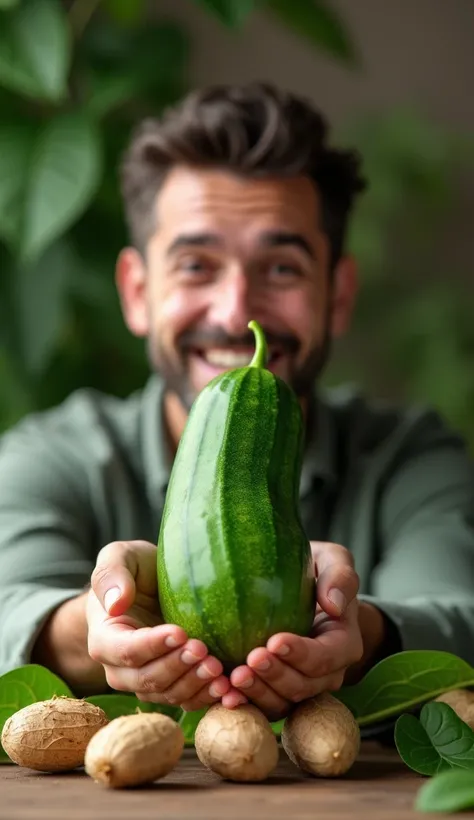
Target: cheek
{"x": 174, "y": 312}
{"x": 302, "y": 317}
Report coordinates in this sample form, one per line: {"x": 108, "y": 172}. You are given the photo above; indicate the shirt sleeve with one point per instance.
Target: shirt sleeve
{"x": 424, "y": 580}
{"x": 45, "y": 535}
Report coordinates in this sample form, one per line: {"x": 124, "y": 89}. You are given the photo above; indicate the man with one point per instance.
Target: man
{"x": 238, "y": 209}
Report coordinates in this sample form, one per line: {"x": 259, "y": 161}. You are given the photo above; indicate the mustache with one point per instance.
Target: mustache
{"x": 217, "y": 337}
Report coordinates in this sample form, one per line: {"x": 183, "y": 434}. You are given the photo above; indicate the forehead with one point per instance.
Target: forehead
{"x": 202, "y": 199}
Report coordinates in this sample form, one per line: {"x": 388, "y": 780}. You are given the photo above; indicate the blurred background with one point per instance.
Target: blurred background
{"x": 393, "y": 77}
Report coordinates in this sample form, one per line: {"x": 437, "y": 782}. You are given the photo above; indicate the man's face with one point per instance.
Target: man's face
{"x": 227, "y": 250}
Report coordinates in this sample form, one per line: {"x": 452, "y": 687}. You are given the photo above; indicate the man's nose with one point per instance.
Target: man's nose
{"x": 233, "y": 302}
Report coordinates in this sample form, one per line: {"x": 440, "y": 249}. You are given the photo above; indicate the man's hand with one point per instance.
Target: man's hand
{"x": 138, "y": 651}
{"x": 291, "y": 668}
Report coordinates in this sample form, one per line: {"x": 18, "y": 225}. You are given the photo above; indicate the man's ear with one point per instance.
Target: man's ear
{"x": 131, "y": 282}
{"x": 343, "y": 297}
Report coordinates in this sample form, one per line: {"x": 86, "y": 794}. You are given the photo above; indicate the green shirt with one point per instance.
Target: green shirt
{"x": 395, "y": 487}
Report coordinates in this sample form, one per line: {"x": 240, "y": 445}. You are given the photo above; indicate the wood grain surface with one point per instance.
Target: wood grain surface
{"x": 378, "y": 787}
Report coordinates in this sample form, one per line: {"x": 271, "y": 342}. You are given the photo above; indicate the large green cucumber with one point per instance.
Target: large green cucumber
{"x": 234, "y": 564}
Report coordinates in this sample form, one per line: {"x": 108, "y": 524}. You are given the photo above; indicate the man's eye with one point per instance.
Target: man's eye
{"x": 284, "y": 269}
{"x": 193, "y": 265}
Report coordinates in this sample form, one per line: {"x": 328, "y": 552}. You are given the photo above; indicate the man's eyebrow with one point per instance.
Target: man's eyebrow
{"x": 186, "y": 240}
{"x": 281, "y": 238}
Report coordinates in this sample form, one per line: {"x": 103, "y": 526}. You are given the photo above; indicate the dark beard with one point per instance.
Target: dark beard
{"x": 177, "y": 380}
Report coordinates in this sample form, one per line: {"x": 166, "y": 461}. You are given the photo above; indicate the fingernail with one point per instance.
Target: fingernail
{"x": 110, "y": 597}
{"x": 217, "y": 689}
{"x": 240, "y": 701}
{"x": 172, "y": 642}
{"x": 204, "y": 673}
{"x": 188, "y": 657}
{"x": 283, "y": 650}
{"x": 262, "y": 666}
{"x": 245, "y": 683}
{"x": 338, "y": 599}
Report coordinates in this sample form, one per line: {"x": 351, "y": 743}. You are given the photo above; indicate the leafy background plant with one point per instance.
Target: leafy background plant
{"x": 75, "y": 76}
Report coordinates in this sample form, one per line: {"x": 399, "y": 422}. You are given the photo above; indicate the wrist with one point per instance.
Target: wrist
{"x": 373, "y": 629}
{"x": 61, "y": 647}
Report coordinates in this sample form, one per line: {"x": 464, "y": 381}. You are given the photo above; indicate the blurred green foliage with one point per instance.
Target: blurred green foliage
{"x": 75, "y": 76}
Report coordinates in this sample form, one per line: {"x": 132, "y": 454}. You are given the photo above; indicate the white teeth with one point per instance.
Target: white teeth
{"x": 226, "y": 358}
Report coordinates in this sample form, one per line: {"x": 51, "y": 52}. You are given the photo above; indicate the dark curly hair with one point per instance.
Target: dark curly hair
{"x": 252, "y": 130}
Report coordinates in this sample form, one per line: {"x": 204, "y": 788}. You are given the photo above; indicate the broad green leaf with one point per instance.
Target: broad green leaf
{"x": 16, "y": 147}
{"x": 41, "y": 291}
{"x": 230, "y": 12}
{"x": 189, "y": 722}
{"x": 47, "y": 178}
{"x": 319, "y": 23}
{"x": 35, "y": 49}
{"x": 448, "y": 792}
{"x": 404, "y": 681}
{"x": 8, "y": 4}
{"x": 438, "y": 741}
{"x": 109, "y": 91}
{"x": 23, "y": 686}
{"x": 116, "y": 705}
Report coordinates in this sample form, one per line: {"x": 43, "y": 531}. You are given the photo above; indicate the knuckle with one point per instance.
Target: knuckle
{"x": 125, "y": 655}
{"x": 148, "y": 684}
{"x": 100, "y": 577}
{"x": 111, "y": 551}
{"x": 114, "y": 679}
{"x": 94, "y": 650}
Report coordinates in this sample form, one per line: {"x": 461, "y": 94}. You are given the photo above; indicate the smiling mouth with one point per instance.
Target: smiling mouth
{"x": 226, "y": 358}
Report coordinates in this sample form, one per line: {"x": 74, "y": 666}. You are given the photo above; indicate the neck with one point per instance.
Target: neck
{"x": 176, "y": 416}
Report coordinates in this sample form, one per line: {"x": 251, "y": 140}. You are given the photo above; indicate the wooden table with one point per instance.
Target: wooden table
{"x": 378, "y": 787}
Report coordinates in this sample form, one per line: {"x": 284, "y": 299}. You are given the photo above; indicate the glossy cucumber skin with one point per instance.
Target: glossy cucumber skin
{"x": 234, "y": 564}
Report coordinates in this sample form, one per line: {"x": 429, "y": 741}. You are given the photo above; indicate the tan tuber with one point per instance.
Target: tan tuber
{"x": 237, "y": 744}
{"x": 321, "y": 736}
{"x": 134, "y": 749}
{"x": 462, "y": 701}
{"x": 52, "y": 735}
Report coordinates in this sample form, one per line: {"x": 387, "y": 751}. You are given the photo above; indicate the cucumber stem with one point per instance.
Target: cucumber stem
{"x": 261, "y": 351}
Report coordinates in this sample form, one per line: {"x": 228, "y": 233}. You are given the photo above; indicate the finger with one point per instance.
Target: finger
{"x": 233, "y": 698}
{"x": 337, "y": 580}
{"x": 122, "y": 645}
{"x": 190, "y": 683}
{"x": 158, "y": 675}
{"x": 288, "y": 682}
{"x": 324, "y": 655}
{"x": 118, "y": 566}
{"x": 258, "y": 692}
{"x": 285, "y": 680}
{"x": 219, "y": 690}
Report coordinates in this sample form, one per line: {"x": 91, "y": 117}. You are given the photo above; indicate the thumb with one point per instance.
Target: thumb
{"x": 113, "y": 577}
{"x": 337, "y": 580}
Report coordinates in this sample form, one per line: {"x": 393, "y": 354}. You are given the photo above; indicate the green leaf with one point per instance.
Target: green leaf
{"x": 447, "y": 792}
{"x": 8, "y": 4}
{"x": 189, "y": 722}
{"x": 47, "y": 178}
{"x": 232, "y": 13}
{"x": 317, "y": 22}
{"x": 23, "y": 686}
{"x": 116, "y": 705}
{"x": 35, "y": 50}
{"x": 40, "y": 292}
{"x": 440, "y": 740}
{"x": 109, "y": 91}
{"x": 404, "y": 681}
